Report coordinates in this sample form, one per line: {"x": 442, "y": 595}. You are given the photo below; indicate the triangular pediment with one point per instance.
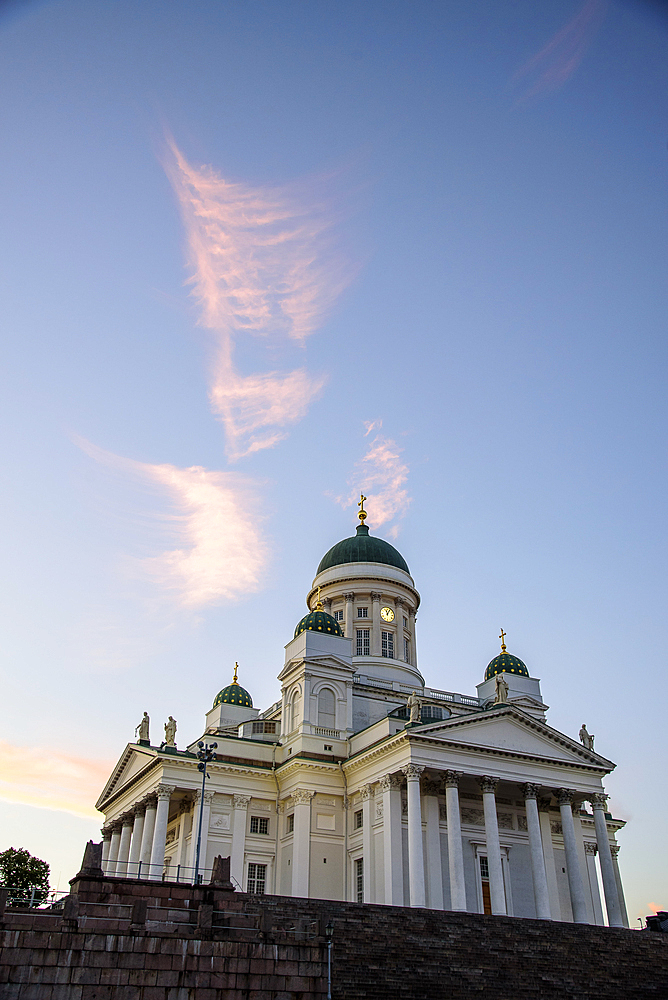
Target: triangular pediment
{"x": 132, "y": 761}
{"x": 510, "y": 729}
{"x": 327, "y": 661}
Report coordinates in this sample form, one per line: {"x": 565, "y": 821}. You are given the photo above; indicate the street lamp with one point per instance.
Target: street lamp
{"x": 205, "y": 754}
{"x": 329, "y": 934}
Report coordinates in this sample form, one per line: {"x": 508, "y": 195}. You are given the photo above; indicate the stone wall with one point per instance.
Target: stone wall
{"x": 120, "y": 939}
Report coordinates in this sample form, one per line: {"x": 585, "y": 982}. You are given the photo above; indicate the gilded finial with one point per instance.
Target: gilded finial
{"x": 236, "y": 668}
{"x": 502, "y": 637}
{"x": 318, "y": 603}
{"x": 362, "y": 513}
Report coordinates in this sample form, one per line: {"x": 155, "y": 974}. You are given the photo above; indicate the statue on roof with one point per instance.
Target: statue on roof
{"x": 414, "y": 705}
{"x": 170, "y": 732}
{"x": 586, "y": 739}
{"x": 501, "y": 696}
{"x": 142, "y": 728}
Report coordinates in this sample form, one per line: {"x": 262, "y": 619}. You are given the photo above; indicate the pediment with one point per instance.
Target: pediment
{"x": 132, "y": 761}
{"x": 326, "y": 662}
{"x": 512, "y": 730}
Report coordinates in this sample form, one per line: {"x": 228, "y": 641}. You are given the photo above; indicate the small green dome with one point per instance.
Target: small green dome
{"x": 362, "y": 547}
{"x": 505, "y": 663}
{"x": 318, "y": 621}
{"x": 233, "y": 694}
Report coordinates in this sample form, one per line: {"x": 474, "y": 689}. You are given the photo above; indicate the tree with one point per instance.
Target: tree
{"x": 25, "y": 874}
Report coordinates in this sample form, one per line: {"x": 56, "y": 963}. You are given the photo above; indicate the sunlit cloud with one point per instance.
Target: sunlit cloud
{"x": 38, "y": 776}
{"x": 218, "y": 552}
{"x": 556, "y": 62}
{"x": 381, "y": 476}
{"x": 263, "y": 262}
{"x": 655, "y": 908}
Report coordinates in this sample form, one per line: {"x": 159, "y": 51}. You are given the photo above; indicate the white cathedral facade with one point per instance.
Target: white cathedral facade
{"x": 341, "y": 791}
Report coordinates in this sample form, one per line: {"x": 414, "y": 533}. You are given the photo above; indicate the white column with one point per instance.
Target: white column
{"x": 285, "y": 722}
{"x": 412, "y": 642}
{"x": 239, "y": 818}
{"x": 124, "y": 846}
{"x": 106, "y": 844}
{"x": 605, "y": 859}
{"x": 301, "y": 844}
{"x": 399, "y": 631}
{"x": 415, "y": 854}
{"x": 548, "y": 854}
{"x": 433, "y": 866}
{"x": 113, "y": 848}
{"x": 367, "y": 842}
{"x": 147, "y": 836}
{"x": 579, "y": 842}
{"x": 455, "y": 853}
{"x": 375, "y": 618}
{"x": 614, "y": 850}
{"x": 184, "y": 813}
{"x": 540, "y": 890}
{"x": 160, "y": 832}
{"x": 591, "y": 851}
{"x": 392, "y": 850}
{"x": 496, "y": 886}
{"x": 575, "y": 884}
{"x": 348, "y": 631}
{"x": 135, "y": 844}
{"x": 204, "y": 842}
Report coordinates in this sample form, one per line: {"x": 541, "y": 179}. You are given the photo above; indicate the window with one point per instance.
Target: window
{"x": 326, "y": 710}
{"x": 387, "y": 644}
{"x": 363, "y": 642}
{"x": 405, "y": 622}
{"x": 359, "y": 880}
{"x": 257, "y": 878}
{"x": 264, "y": 727}
{"x": 291, "y": 823}
{"x": 406, "y": 651}
{"x": 259, "y": 824}
{"x": 484, "y": 883}
{"x": 359, "y": 819}
{"x": 338, "y": 616}
{"x": 362, "y": 612}
{"x": 293, "y": 713}
{"x": 328, "y": 747}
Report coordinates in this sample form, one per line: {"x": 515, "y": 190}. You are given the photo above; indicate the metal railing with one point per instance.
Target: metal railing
{"x": 32, "y": 898}
{"x": 156, "y": 873}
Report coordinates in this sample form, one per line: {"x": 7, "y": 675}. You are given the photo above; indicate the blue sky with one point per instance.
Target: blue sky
{"x": 257, "y": 257}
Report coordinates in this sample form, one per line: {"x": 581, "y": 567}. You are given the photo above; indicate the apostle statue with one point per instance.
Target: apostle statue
{"x": 501, "y": 696}
{"x": 170, "y": 732}
{"x": 142, "y": 728}
{"x": 586, "y": 739}
{"x": 413, "y": 705}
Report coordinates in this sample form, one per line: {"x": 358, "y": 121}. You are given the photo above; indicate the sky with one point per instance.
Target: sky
{"x": 259, "y": 257}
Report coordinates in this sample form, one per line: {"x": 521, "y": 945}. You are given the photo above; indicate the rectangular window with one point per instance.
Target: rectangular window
{"x": 259, "y": 824}
{"x": 484, "y": 885}
{"x": 328, "y": 747}
{"x": 338, "y": 616}
{"x": 291, "y": 823}
{"x": 257, "y": 878}
{"x": 264, "y": 727}
{"x": 406, "y": 651}
{"x": 387, "y": 644}
{"x": 359, "y": 880}
{"x": 484, "y": 867}
{"x": 362, "y": 612}
{"x": 359, "y": 819}
{"x": 405, "y": 622}
{"x": 363, "y": 641}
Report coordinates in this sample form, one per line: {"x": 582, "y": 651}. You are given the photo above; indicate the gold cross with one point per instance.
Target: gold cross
{"x": 502, "y": 637}
{"x": 318, "y": 603}
{"x": 362, "y": 513}
{"x": 236, "y": 667}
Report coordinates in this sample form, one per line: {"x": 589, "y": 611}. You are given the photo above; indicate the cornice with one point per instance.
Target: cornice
{"x": 301, "y": 763}
{"x": 360, "y": 579}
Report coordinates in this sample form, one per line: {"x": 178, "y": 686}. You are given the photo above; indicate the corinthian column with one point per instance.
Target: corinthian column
{"x": 367, "y": 841}
{"x": 575, "y": 884}
{"x": 433, "y": 867}
{"x": 496, "y": 887}
{"x": 605, "y": 857}
{"x": 455, "y": 853}
{"x": 540, "y": 890}
{"x": 301, "y": 844}
{"x": 394, "y": 881}
{"x": 147, "y": 836}
{"x": 164, "y": 793}
{"x": 415, "y": 855}
{"x": 375, "y": 615}
{"x": 399, "y": 606}
{"x": 135, "y": 844}
{"x": 115, "y": 828}
{"x": 106, "y": 844}
{"x": 614, "y": 850}
{"x": 348, "y": 631}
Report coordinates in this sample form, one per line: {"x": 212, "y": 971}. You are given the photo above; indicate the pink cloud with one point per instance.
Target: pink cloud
{"x": 38, "y": 776}
{"x": 382, "y": 476}
{"x": 556, "y": 62}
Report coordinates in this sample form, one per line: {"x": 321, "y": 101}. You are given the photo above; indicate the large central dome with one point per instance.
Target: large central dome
{"x": 362, "y": 548}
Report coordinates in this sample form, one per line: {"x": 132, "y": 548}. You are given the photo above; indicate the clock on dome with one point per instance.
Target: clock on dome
{"x": 387, "y": 614}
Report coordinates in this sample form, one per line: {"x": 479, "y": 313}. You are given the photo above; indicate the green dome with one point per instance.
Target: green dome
{"x": 318, "y": 621}
{"x": 362, "y": 548}
{"x": 505, "y": 663}
{"x": 233, "y": 694}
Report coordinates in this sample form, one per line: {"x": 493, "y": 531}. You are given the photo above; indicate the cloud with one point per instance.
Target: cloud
{"x": 558, "y": 60}
{"x": 381, "y": 476}
{"x": 38, "y": 776}
{"x": 219, "y": 553}
{"x": 264, "y": 263}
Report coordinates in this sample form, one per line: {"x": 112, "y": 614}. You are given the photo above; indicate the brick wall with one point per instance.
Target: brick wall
{"x": 128, "y": 940}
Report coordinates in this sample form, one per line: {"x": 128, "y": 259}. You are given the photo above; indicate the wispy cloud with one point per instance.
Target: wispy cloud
{"x": 263, "y": 262}
{"x": 38, "y": 776}
{"x": 382, "y": 476}
{"x": 556, "y": 62}
{"x": 219, "y": 553}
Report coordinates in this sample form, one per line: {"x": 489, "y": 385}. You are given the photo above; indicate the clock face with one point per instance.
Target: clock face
{"x": 387, "y": 614}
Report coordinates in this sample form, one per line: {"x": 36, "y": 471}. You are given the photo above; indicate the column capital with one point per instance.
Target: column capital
{"x": 598, "y": 800}
{"x": 614, "y": 850}
{"x": 375, "y": 595}
{"x": 150, "y": 800}
{"x": 241, "y": 801}
{"x": 165, "y": 791}
{"x": 399, "y": 602}
{"x": 366, "y": 792}
{"x": 185, "y": 806}
{"x": 564, "y": 796}
{"x": 452, "y": 778}
{"x": 389, "y": 781}
{"x": 208, "y": 798}
{"x": 302, "y": 796}
{"x": 530, "y": 790}
{"x": 431, "y": 787}
{"x": 139, "y": 808}
{"x": 349, "y": 596}
{"x": 412, "y": 771}
{"x": 590, "y": 848}
{"x": 128, "y": 818}
{"x": 488, "y": 783}
{"x": 115, "y": 826}
{"x": 106, "y": 833}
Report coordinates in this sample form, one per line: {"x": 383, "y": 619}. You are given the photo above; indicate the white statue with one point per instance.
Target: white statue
{"x": 586, "y": 739}
{"x": 170, "y": 732}
{"x": 501, "y": 696}
{"x": 142, "y": 728}
{"x": 413, "y": 705}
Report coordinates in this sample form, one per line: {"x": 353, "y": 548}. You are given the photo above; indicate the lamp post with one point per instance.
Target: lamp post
{"x": 329, "y": 934}
{"x": 205, "y": 754}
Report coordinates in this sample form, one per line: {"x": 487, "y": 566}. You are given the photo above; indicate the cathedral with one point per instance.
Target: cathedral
{"x": 362, "y": 783}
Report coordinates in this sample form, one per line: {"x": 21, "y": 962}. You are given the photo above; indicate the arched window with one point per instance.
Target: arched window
{"x": 326, "y": 709}
{"x": 293, "y": 716}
